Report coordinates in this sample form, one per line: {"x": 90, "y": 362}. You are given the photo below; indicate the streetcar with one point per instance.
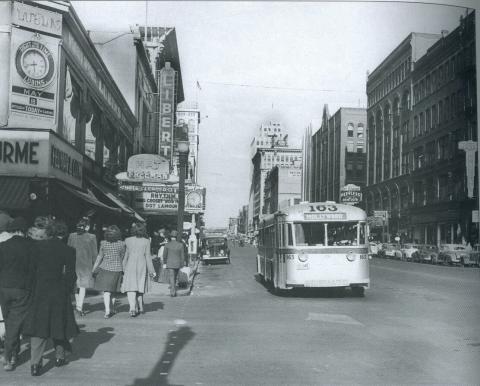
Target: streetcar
{"x": 316, "y": 245}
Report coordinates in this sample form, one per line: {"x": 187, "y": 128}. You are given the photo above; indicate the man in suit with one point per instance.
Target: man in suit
{"x": 16, "y": 273}
{"x": 174, "y": 258}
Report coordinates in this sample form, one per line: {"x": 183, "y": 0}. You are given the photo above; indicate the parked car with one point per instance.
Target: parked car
{"x": 426, "y": 254}
{"x": 454, "y": 254}
{"x": 374, "y": 248}
{"x": 392, "y": 251}
{"x": 475, "y": 255}
{"x": 408, "y": 250}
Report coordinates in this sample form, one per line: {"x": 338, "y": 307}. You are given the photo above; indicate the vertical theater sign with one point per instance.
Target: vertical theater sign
{"x": 34, "y": 65}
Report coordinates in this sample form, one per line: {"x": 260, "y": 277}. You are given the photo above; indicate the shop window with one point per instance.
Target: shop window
{"x": 71, "y": 108}
{"x": 92, "y": 128}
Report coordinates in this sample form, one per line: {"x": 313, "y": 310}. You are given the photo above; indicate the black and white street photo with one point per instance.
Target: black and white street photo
{"x": 239, "y": 193}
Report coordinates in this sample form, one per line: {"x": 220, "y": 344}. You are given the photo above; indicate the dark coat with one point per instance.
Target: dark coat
{"x": 51, "y": 312}
{"x": 16, "y": 266}
{"x": 174, "y": 254}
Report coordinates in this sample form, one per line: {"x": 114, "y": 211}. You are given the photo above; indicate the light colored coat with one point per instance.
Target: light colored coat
{"x": 137, "y": 264}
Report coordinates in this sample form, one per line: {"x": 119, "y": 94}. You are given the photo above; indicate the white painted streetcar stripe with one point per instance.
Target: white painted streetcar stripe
{"x": 333, "y": 318}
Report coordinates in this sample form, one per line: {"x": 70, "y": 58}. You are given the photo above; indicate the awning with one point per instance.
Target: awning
{"x": 14, "y": 193}
{"x": 123, "y": 207}
{"x": 89, "y": 197}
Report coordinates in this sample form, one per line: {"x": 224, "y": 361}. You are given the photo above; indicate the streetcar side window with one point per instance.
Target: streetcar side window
{"x": 289, "y": 235}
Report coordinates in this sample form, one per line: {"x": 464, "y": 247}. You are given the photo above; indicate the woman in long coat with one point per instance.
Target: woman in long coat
{"x": 51, "y": 312}
{"x": 137, "y": 265}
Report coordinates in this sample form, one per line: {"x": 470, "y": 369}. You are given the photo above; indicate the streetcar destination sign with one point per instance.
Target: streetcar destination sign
{"x": 325, "y": 216}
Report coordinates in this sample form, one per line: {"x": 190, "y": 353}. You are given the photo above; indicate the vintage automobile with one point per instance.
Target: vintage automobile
{"x": 392, "y": 251}
{"x": 408, "y": 250}
{"x": 454, "y": 254}
{"x": 426, "y": 254}
{"x": 475, "y": 255}
{"x": 374, "y": 248}
{"x": 214, "y": 248}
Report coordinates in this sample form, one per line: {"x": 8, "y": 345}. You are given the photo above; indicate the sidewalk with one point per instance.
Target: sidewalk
{"x": 163, "y": 290}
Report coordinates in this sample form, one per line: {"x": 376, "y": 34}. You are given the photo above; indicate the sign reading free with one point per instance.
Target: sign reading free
{"x": 39, "y": 154}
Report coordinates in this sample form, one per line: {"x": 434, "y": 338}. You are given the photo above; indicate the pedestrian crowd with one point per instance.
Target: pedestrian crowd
{"x": 45, "y": 272}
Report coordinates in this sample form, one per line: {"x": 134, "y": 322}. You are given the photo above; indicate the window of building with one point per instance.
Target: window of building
{"x": 419, "y": 157}
{"x": 422, "y": 123}
{"x": 350, "y": 130}
{"x": 443, "y": 148}
{"x": 440, "y": 112}
{"x": 453, "y": 106}
{"x": 350, "y": 146}
{"x": 415, "y": 126}
{"x": 360, "y": 131}
{"x": 71, "y": 108}
{"x": 360, "y": 147}
{"x": 92, "y": 129}
{"x": 427, "y": 85}
{"x": 447, "y": 109}
{"x": 428, "y": 120}
{"x": 434, "y": 116}
{"x": 360, "y": 169}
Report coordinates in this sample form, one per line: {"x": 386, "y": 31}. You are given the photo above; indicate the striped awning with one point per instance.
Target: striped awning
{"x": 14, "y": 193}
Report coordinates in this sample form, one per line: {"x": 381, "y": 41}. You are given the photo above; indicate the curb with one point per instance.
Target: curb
{"x": 191, "y": 279}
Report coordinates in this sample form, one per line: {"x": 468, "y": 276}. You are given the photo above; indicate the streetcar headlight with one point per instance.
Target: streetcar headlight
{"x": 303, "y": 258}
{"x": 351, "y": 256}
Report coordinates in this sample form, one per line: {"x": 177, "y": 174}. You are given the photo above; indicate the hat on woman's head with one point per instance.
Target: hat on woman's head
{"x": 17, "y": 224}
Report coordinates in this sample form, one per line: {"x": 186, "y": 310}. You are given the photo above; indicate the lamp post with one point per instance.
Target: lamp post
{"x": 183, "y": 147}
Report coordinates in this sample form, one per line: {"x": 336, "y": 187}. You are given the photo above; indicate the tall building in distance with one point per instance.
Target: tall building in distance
{"x": 189, "y": 114}
{"x": 269, "y": 149}
{"x": 338, "y": 155}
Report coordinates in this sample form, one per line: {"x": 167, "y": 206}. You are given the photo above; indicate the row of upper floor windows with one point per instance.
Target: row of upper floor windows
{"x": 443, "y": 111}
{"x": 390, "y": 81}
{"x": 360, "y": 132}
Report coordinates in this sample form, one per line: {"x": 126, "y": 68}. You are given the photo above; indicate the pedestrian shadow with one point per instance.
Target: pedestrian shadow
{"x": 176, "y": 341}
{"x": 122, "y": 307}
{"x": 87, "y": 342}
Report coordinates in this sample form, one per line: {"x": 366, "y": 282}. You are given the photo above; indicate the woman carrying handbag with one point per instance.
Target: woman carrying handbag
{"x": 108, "y": 268}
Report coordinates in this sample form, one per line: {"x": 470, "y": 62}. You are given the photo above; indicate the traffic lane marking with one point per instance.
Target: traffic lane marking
{"x": 333, "y": 318}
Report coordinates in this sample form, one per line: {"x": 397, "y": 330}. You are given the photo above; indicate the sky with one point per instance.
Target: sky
{"x": 262, "y": 61}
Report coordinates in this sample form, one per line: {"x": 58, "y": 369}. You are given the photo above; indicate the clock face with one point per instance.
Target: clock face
{"x": 34, "y": 63}
{"x": 193, "y": 199}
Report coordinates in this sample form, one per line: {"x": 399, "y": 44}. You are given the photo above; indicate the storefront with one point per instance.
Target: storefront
{"x": 65, "y": 128}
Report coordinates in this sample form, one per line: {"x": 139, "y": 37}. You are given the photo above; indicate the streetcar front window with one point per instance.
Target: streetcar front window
{"x": 309, "y": 234}
{"x": 345, "y": 233}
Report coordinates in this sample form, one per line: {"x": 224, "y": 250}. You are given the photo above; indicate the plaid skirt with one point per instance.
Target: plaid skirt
{"x": 109, "y": 281}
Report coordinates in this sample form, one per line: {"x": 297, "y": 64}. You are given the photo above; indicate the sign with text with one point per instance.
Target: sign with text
{"x": 33, "y": 80}
{"x": 350, "y": 194}
{"x": 39, "y": 154}
{"x": 167, "y": 107}
{"x": 37, "y": 18}
{"x": 148, "y": 166}
{"x": 165, "y": 199}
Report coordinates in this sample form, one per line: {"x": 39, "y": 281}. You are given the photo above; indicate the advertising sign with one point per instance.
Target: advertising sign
{"x": 167, "y": 107}
{"x": 37, "y": 18}
{"x": 165, "y": 199}
{"x": 350, "y": 194}
{"x": 33, "y": 80}
{"x": 383, "y": 214}
{"x": 148, "y": 166}
{"x": 39, "y": 154}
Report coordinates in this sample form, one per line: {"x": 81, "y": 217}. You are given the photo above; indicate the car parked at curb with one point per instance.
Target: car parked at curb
{"x": 426, "y": 254}
{"x": 392, "y": 251}
{"x": 408, "y": 250}
{"x": 454, "y": 254}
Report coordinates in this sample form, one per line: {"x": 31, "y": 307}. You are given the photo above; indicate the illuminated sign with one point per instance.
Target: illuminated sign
{"x": 167, "y": 107}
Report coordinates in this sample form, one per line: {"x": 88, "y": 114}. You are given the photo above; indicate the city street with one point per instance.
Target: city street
{"x": 417, "y": 324}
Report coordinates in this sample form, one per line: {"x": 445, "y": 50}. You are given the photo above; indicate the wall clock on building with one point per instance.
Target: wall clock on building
{"x": 194, "y": 199}
{"x": 34, "y": 63}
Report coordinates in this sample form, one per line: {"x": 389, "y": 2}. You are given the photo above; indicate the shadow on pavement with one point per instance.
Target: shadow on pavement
{"x": 330, "y": 292}
{"x": 176, "y": 341}
{"x": 121, "y": 307}
{"x": 85, "y": 344}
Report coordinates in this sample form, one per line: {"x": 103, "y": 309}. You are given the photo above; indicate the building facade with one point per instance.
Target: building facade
{"x": 188, "y": 113}
{"x": 338, "y": 155}
{"x": 282, "y": 184}
{"x": 269, "y": 149}
{"x": 65, "y": 126}
{"x": 421, "y": 109}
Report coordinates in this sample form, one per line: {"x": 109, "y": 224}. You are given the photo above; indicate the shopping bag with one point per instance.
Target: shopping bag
{"x": 183, "y": 276}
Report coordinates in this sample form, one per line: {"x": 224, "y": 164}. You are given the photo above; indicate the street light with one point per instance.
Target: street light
{"x": 183, "y": 148}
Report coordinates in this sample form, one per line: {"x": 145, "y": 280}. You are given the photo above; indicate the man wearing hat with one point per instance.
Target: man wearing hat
{"x": 174, "y": 258}
{"x": 16, "y": 272}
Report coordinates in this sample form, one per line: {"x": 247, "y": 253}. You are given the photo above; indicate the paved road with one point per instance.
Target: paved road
{"x": 417, "y": 324}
